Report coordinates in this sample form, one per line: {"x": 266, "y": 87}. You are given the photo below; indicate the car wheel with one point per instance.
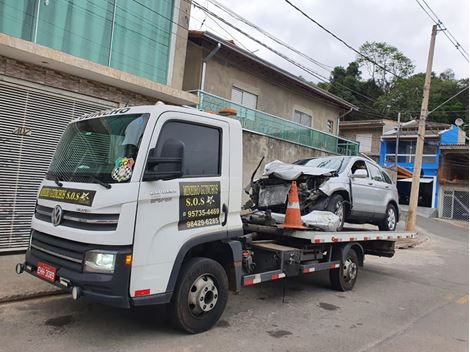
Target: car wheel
{"x": 344, "y": 278}
{"x": 389, "y": 223}
{"x": 336, "y": 206}
{"x": 200, "y": 296}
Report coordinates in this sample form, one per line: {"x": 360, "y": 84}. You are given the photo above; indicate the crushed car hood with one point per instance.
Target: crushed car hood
{"x": 290, "y": 172}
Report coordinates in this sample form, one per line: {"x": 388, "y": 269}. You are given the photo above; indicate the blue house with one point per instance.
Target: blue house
{"x": 436, "y": 134}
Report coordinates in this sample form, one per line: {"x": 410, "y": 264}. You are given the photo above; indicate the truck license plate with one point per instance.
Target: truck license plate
{"x": 46, "y": 271}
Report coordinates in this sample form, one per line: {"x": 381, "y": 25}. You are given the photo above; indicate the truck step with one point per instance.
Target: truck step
{"x": 272, "y": 246}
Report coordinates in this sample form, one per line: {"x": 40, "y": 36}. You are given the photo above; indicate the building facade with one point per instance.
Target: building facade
{"x": 367, "y": 133}
{"x": 436, "y": 135}
{"x": 60, "y": 59}
{"x": 268, "y": 100}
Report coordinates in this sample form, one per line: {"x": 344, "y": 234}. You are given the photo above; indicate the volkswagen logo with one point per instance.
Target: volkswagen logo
{"x": 56, "y": 215}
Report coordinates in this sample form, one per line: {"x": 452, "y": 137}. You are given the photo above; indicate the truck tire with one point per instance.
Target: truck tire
{"x": 389, "y": 222}
{"x": 336, "y": 205}
{"x": 344, "y": 278}
{"x": 200, "y": 295}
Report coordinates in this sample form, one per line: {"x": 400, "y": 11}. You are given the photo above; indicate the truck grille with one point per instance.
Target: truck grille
{"x": 58, "y": 251}
{"x": 83, "y": 221}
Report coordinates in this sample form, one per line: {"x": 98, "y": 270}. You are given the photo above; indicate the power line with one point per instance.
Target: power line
{"x": 301, "y": 66}
{"x": 433, "y": 16}
{"x": 270, "y": 36}
{"x": 341, "y": 40}
{"x": 452, "y": 97}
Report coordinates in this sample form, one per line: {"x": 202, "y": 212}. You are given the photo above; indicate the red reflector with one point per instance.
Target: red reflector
{"x": 366, "y": 238}
{"x": 332, "y": 266}
{"x": 351, "y": 238}
{"x": 248, "y": 282}
{"x": 317, "y": 241}
{"x": 274, "y": 276}
{"x": 142, "y": 292}
{"x": 378, "y": 237}
{"x": 306, "y": 270}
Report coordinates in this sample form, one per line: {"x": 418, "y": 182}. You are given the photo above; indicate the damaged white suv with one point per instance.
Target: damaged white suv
{"x": 356, "y": 189}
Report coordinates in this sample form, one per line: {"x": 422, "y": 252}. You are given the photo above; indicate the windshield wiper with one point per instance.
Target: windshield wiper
{"x": 57, "y": 181}
{"x": 102, "y": 183}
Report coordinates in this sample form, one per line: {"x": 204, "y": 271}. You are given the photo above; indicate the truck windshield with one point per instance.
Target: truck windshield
{"x": 98, "y": 149}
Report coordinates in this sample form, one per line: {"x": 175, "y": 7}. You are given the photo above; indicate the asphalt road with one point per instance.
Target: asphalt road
{"x": 416, "y": 301}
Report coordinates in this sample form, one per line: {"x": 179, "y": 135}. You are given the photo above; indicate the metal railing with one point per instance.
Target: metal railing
{"x": 277, "y": 127}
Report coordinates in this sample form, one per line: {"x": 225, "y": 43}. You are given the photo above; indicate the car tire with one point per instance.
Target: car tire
{"x": 200, "y": 295}
{"x": 336, "y": 205}
{"x": 344, "y": 278}
{"x": 389, "y": 222}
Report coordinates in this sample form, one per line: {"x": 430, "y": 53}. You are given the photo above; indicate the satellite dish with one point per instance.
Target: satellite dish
{"x": 459, "y": 122}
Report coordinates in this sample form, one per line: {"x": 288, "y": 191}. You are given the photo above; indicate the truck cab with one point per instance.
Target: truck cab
{"x": 128, "y": 193}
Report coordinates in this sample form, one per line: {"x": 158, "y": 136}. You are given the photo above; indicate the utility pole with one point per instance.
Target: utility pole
{"x": 411, "y": 220}
{"x": 396, "y": 142}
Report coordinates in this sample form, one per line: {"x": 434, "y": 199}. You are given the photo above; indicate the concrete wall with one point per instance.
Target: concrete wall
{"x": 59, "y": 80}
{"x": 256, "y": 146}
{"x": 180, "y": 39}
{"x": 274, "y": 97}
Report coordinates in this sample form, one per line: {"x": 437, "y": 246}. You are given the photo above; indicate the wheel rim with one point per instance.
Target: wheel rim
{"x": 339, "y": 209}
{"x": 349, "y": 270}
{"x": 203, "y": 295}
{"x": 391, "y": 220}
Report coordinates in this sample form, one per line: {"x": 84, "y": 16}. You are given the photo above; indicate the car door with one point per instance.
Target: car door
{"x": 172, "y": 212}
{"x": 381, "y": 188}
{"x": 361, "y": 191}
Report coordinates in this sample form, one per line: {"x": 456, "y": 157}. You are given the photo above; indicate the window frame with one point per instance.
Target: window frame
{"x": 243, "y": 92}
{"x": 219, "y": 154}
{"x": 371, "y": 166}
{"x": 302, "y": 114}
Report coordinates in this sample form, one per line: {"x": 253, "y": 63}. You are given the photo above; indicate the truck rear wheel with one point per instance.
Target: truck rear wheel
{"x": 200, "y": 296}
{"x": 344, "y": 278}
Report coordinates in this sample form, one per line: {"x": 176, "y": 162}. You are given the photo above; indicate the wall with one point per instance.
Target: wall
{"x": 273, "y": 97}
{"x": 376, "y": 133}
{"x": 59, "y": 80}
{"x": 256, "y": 146}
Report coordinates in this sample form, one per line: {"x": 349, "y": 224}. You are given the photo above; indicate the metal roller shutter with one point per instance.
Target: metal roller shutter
{"x": 31, "y": 124}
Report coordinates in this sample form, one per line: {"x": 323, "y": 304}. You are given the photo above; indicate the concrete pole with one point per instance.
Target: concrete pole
{"x": 411, "y": 220}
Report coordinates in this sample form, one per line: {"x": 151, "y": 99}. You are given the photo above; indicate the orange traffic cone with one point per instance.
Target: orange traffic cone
{"x": 293, "y": 219}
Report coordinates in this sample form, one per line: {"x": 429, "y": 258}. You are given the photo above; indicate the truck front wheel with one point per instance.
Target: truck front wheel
{"x": 200, "y": 296}
{"x": 344, "y": 278}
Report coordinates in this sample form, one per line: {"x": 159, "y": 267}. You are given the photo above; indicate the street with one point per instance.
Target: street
{"x": 416, "y": 301}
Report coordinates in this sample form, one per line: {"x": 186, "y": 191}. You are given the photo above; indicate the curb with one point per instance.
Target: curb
{"x": 421, "y": 237}
{"x": 32, "y": 295}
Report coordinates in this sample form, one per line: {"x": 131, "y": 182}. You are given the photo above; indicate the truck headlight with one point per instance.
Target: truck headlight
{"x": 100, "y": 262}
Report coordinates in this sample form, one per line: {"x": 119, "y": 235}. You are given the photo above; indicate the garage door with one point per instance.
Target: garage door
{"x": 31, "y": 124}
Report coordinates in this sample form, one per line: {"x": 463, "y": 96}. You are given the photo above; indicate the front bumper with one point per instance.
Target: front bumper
{"x": 109, "y": 289}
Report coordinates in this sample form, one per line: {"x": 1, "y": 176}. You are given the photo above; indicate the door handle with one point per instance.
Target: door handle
{"x": 225, "y": 211}
{"x": 370, "y": 183}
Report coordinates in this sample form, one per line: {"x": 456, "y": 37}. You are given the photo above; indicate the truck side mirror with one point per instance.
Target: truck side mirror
{"x": 168, "y": 165}
{"x": 360, "y": 173}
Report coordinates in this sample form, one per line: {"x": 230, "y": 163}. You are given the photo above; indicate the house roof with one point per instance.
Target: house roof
{"x": 410, "y": 129}
{"x": 364, "y": 123}
{"x": 229, "y": 45}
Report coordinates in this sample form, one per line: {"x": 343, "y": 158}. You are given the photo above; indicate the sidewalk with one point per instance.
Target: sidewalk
{"x": 16, "y": 287}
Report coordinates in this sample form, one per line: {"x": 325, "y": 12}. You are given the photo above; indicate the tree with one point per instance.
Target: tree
{"x": 389, "y": 62}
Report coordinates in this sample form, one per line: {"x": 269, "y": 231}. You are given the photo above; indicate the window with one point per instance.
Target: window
{"x": 387, "y": 178}
{"x": 376, "y": 173}
{"x": 244, "y": 98}
{"x": 360, "y": 164}
{"x": 330, "y": 126}
{"x": 365, "y": 142}
{"x": 302, "y": 118}
{"x": 201, "y": 147}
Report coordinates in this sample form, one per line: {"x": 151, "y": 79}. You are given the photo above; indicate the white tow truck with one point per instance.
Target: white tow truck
{"x": 142, "y": 205}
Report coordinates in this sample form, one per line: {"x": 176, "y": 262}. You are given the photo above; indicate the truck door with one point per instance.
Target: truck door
{"x": 183, "y": 207}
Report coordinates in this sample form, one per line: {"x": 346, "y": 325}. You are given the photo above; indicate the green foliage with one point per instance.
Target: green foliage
{"x": 383, "y": 95}
{"x": 389, "y": 62}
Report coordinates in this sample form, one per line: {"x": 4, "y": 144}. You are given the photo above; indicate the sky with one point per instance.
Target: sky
{"x": 401, "y": 23}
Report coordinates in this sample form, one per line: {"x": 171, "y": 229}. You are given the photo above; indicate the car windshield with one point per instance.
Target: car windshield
{"x": 98, "y": 149}
{"x": 333, "y": 163}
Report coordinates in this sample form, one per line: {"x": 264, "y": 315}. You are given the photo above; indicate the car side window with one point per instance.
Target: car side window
{"x": 360, "y": 164}
{"x": 375, "y": 173}
{"x": 387, "y": 178}
{"x": 201, "y": 147}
